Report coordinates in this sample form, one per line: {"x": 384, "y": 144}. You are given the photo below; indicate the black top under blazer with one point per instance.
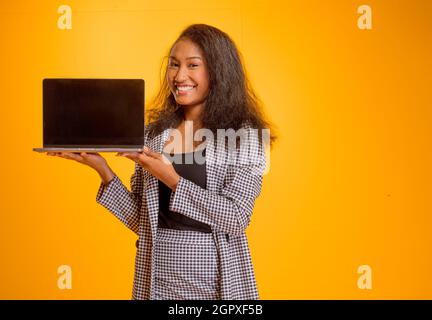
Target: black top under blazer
{"x": 186, "y": 166}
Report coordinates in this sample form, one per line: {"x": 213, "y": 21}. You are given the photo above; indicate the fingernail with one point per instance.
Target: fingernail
{"x": 146, "y": 149}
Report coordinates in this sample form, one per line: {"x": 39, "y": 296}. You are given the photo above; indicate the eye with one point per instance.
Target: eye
{"x": 173, "y": 64}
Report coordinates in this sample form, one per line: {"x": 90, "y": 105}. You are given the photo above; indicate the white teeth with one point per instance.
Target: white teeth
{"x": 185, "y": 88}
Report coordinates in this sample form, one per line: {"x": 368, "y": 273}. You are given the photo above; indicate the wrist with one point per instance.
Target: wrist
{"x": 175, "y": 182}
{"x": 106, "y": 174}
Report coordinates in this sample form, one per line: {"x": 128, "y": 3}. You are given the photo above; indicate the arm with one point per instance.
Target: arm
{"x": 229, "y": 210}
{"x": 123, "y": 204}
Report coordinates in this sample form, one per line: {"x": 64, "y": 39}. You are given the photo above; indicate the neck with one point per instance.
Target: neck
{"x": 193, "y": 113}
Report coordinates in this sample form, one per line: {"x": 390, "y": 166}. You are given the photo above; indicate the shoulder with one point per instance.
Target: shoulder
{"x": 253, "y": 138}
{"x": 249, "y": 147}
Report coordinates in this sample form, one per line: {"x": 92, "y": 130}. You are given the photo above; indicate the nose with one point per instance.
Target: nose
{"x": 181, "y": 75}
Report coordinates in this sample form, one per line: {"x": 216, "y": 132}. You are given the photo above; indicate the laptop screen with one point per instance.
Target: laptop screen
{"x": 93, "y": 112}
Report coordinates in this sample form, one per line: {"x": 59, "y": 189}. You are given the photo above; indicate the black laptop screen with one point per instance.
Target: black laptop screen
{"x": 93, "y": 112}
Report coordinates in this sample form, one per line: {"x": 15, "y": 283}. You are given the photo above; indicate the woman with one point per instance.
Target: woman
{"x": 191, "y": 217}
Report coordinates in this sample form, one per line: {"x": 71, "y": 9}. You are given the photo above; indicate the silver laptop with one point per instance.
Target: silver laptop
{"x": 95, "y": 115}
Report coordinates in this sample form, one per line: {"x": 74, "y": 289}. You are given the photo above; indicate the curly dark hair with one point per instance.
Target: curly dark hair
{"x": 231, "y": 102}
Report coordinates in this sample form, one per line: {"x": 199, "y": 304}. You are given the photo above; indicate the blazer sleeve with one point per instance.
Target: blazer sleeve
{"x": 230, "y": 209}
{"x": 124, "y": 204}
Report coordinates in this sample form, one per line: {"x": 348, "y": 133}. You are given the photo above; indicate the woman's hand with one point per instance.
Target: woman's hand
{"x": 155, "y": 163}
{"x": 93, "y": 160}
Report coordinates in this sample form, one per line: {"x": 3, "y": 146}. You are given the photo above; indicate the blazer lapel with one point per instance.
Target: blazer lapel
{"x": 210, "y": 165}
{"x": 151, "y": 191}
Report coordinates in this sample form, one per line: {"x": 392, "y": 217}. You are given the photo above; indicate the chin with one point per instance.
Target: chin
{"x": 186, "y": 101}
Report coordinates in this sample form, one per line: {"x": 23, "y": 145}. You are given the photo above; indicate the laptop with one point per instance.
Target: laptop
{"x": 94, "y": 115}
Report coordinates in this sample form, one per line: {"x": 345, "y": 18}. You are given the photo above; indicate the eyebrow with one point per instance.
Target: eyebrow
{"x": 172, "y": 57}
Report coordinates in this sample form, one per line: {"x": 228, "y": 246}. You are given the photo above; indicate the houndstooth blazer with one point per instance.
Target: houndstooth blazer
{"x": 234, "y": 180}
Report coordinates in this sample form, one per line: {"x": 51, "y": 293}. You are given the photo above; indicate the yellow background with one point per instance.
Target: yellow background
{"x": 350, "y": 179}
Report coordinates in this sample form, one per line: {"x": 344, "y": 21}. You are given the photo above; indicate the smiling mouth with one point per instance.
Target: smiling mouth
{"x": 184, "y": 89}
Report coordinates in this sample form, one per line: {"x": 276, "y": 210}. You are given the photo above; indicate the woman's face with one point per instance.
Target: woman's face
{"x": 187, "y": 73}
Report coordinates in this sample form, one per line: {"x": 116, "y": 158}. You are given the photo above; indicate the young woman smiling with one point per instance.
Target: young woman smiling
{"x": 191, "y": 217}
